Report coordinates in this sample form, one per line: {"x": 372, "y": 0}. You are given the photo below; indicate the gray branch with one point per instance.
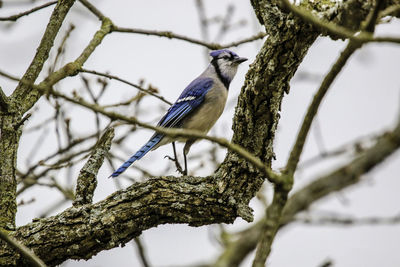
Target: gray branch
{"x": 87, "y": 181}
{"x": 81, "y": 232}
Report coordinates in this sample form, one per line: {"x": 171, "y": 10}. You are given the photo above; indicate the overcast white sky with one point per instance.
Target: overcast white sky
{"x": 364, "y": 100}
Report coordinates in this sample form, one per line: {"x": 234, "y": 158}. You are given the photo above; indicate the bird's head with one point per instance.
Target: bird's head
{"x": 226, "y": 62}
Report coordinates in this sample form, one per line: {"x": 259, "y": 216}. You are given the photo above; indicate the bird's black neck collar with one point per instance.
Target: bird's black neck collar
{"x": 226, "y": 81}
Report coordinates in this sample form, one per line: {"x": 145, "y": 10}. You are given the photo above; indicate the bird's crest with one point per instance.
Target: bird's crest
{"x": 216, "y": 53}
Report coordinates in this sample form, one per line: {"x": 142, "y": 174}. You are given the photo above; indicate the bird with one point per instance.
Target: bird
{"x": 197, "y": 108}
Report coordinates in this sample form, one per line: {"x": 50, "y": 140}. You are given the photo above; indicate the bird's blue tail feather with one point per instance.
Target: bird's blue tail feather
{"x": 139, "y": 154}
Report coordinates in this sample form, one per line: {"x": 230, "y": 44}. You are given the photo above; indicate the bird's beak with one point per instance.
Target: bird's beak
{"x": 239, "y": 60}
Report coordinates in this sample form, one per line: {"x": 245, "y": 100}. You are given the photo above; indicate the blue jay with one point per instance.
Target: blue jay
{"x": 197, "y": 108}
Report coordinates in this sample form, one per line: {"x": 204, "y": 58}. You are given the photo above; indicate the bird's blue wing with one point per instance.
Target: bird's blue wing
{"x": 189, "y": 100}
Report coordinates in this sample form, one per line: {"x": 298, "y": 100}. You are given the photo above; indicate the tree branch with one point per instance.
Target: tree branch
{"x": 69, "y": 69}
{"x": 336, "y": 30}
{"x": 343, "y": 220}
{"x": 25, "y": 252}
{"x": 171, "y": 35}
{"x": 109, "y": 76}
{"x": 17, "y": 16}
{"x": 93, "y": 9}
{"x": 3, "y": 101}
{"x": 20, "y": 97}
{"x": 142, "y": 252}
{"x": 81, "y": 232}
{"x": 297, "y": 149}
{"x": 87, "y": 182}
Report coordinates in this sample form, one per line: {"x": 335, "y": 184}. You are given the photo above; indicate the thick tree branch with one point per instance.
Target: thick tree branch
{"x": 25, "y": 252}
{"x": 81, "y": 232}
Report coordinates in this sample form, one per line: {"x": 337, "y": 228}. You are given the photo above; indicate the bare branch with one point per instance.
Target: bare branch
{"x": 109, "y": 76}
{"x": 9, "y": 76}
{"x": 297, "y": 149}
{"x": 86, "y": 183}
{"x": 17, "y": 16}
{"x": 338, "y": 219}
{"x": 142, "y": 253}
{"x": 93, "y": 9}
{"x": 171, "y": 35}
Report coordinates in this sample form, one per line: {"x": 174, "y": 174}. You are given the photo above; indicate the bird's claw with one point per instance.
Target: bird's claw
{"x": 177, "y": 165}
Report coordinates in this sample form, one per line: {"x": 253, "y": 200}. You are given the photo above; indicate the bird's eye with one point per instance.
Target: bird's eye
{"x": 226, "y": 57}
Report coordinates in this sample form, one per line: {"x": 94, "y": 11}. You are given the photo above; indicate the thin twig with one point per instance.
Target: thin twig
{"x": 297, "y": 149}
{"x": 347, "y": 220}
{"x": 22, "y": 121}
{"x": 109, "y": 76}
{"x": 61, "y": 47}
{"x": 352, "y": 46}
{"x": 93, "y": 9}
{"x": 9, "y": 76}
{"x": 25, "y": 252}
{"x": 171, "y": 35}
{"x": 17, "y": 16}
{"x": 142, "y": 253}
{"x": 67, "y": 148}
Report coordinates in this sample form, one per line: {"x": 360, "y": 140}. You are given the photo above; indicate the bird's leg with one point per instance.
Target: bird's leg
{"x": 186, "y": 148}
{"x": 175, "y": 159}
